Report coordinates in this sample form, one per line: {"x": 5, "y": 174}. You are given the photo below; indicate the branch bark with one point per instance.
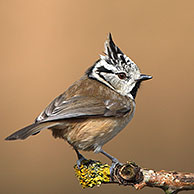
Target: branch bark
{"x": 94, "y": 173}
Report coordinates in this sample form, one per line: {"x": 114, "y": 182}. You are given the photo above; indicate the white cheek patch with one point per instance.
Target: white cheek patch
{"x": 102, "y": 80}
{"x": 96, "y": 75}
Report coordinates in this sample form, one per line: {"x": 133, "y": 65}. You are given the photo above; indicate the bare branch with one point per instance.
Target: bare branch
{"x": 94, "y": 173}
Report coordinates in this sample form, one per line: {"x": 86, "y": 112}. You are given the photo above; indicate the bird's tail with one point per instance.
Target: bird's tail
{"x": 30, "y": 130}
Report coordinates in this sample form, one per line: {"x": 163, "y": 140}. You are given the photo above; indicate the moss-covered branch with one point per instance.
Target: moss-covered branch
{"x": 94, "y": 173}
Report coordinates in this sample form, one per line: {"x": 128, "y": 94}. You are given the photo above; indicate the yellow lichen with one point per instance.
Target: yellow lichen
{"x": 92, "y": 173}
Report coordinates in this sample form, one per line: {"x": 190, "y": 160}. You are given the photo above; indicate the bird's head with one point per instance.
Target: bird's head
{"x": 117, "y": 71}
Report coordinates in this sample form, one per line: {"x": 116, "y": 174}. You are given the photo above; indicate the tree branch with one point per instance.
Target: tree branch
{"x": 94, "y": 173}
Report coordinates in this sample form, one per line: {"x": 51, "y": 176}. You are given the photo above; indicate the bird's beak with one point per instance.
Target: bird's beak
{"x": 144, "y": 77}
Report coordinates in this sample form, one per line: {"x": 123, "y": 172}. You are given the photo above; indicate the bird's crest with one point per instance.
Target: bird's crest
{"x": 114, "y": 55}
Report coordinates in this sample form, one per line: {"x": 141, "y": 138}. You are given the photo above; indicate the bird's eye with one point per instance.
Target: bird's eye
{"x": 122, "y": 75}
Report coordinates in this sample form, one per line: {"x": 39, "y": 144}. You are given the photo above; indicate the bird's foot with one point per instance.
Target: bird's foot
{"x": 115, "y": 162}
{"x": 81, "y": 158}
{"x": 79, "y": 162}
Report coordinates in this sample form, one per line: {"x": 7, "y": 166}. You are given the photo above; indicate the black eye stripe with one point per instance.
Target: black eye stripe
{"x": 103, "y": 69}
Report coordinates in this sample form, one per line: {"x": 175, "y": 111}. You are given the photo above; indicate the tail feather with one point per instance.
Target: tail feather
{"x": 32, "y": 129}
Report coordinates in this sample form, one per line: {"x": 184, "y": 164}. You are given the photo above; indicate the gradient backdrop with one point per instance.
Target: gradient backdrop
{"x": 45, "y": 45}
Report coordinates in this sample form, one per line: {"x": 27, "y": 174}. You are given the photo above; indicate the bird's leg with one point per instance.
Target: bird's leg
{"x": 80, "y": 158}
{"x": 113, "y": 159}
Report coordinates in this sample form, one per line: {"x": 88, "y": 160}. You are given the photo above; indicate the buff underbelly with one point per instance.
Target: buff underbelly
{"x": 89, "y": 134}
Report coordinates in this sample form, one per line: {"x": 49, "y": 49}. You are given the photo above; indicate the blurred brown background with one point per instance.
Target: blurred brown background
{"x": 45, "y": 45}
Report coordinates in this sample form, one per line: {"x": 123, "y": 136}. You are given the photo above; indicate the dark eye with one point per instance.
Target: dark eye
{"x": 122, "y": 75}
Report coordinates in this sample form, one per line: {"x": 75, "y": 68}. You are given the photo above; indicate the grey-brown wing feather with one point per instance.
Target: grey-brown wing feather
{"x": 76, "y": 107}
{"x": 82, "y": 106}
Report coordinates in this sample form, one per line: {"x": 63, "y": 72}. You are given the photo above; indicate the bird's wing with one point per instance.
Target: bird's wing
{"x": 82, "y": 107}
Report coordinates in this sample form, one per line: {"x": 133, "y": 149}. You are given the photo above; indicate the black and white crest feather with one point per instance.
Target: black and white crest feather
{"x": 116, "y": 57}
{"x": 112, "y": 51}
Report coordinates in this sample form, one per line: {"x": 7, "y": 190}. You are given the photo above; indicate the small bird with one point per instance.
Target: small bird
{"x": 96, "y": 107}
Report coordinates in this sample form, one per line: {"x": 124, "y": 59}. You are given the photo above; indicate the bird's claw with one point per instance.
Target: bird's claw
{"x": 79, "y": 162}
{"x": 115, "y": 162}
